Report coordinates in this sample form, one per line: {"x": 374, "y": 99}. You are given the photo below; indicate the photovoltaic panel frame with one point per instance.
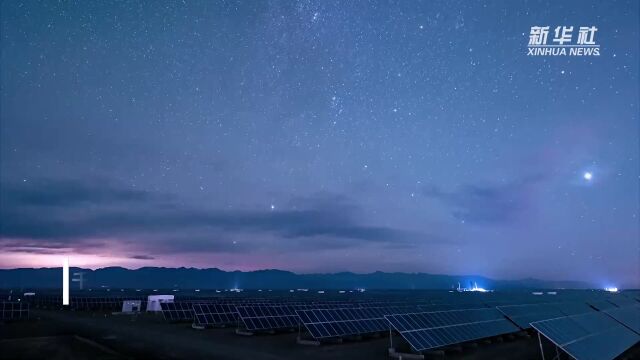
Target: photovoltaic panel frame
{"x": 214, "y": 314}
{"x": 431, "y": 330}
{"x": 591, "y": 336}
{"x": 331, "y": 323}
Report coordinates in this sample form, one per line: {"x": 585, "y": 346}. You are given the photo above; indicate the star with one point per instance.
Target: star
{"x": 587, "y": 176}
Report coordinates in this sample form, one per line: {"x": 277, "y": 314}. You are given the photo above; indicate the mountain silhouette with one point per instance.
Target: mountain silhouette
{"x": 213, "y": 278}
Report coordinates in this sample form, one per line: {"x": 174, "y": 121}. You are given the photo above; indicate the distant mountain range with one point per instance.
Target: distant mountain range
{"x": 191, "y": 278}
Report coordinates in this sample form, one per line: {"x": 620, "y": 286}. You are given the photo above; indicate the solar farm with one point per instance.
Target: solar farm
{"x": 567, "y": 324}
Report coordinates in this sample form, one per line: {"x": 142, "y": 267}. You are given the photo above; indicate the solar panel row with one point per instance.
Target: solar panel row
{"x": 425, "y": 320}
{"x": 214, "y": 314}
{"x": 10, "y": 311}
{"x": 430, "y": 330}
{"x": 424, "y": 339}
{"x": 256, "y": 318}
{"x": 329, "y": 323}
{"x": 591, "y": 336}
{"x": 177, "y": 311}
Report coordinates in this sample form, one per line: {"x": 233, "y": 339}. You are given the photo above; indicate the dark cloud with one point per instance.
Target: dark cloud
{"x": 67, "y": 193}
{"x": 491, "y": 204}
{"x": 30, "y": 250}
{"x": 51, "y": 215}
{"x": 142, "y": 257}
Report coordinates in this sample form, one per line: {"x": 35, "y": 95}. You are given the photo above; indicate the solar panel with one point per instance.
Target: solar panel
{"x": 329, "y": 323}
{"x": 573, "y": 308}
{"x": 627, "y": 316}
{"x": 436, "y": 329}
{"x": 601, "y": 305}
{"x": 177, "y": 311}
{"x": 523, "y": 315}
{"x": 96, "y": 303}
{"x": 214, "y": 314}
{"x": 11, "y": 311}
{"x": 447, "y": 307}
{"x": 390, "y": 310}
{"x": 256, "y": 318}
{"x": 591, "y": 336}
{"x": 622, "y": 301}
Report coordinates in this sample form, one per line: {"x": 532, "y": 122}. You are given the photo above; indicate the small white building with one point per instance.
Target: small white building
{"x": 131, "y": 306}
{"x": 153, "y": 301}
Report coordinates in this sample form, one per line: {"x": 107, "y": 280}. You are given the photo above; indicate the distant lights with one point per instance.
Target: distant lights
{"x": 475, "y": 288}
{"x": 479, "y": 289}
{"x": 611, "y": 289}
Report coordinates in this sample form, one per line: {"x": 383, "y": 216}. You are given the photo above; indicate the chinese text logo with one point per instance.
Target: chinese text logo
{"x": 562, "y": 43}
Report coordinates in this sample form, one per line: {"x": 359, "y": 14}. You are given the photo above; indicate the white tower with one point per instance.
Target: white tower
{"x": 65, "y": 282}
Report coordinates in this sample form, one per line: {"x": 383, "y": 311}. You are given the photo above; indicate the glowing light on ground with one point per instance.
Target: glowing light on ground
{"x": 478, "y": 289}
{"x": 611, "y": 289}
{"x": 475, "y": 288}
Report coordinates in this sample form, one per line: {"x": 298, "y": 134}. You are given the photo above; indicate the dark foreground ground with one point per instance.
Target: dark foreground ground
{"x": 82, "y": 335}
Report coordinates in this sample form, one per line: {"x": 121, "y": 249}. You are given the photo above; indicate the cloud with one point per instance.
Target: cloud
{"x": 142, "y": 257}
{"x": 67, "y": 193}
{"x": 73, "y": 214}
{"x": 489, "y": 204}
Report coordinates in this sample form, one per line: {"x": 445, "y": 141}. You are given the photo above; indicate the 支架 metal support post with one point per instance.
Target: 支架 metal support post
{"x": 540, "y": 343}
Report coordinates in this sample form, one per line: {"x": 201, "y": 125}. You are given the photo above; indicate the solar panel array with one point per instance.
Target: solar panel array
{"x": 447, "y": 307}
{"x": 430, "y": 330}
{"x": 96, "y": 303}
{"x": 177, "y": 311}
{"x": 256, "y": 318}
{"x": 590, "y": 336}
{"x": 10, "y": 311}
{"x": 427, "y": 322}
{"x": 214, "y": 314}
{"x": 330, "y": 323}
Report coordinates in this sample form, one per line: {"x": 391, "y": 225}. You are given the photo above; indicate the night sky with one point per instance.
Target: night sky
{"x": 320, "y": 137}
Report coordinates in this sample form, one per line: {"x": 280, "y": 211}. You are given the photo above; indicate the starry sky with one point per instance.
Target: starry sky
{"x": 320, "y": 136}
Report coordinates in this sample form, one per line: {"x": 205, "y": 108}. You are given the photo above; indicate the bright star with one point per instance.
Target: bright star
{"x": 273, "y": 207}
{"x": 587, "y": 176}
